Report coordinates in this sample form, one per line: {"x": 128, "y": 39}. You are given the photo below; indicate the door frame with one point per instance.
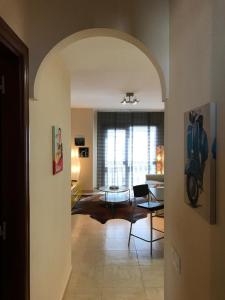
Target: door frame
{"x": 11, "y": 41}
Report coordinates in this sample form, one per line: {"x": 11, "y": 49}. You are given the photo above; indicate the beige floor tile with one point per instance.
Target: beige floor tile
{"x": 105, "y": 257}
{"x": 90, "y": 242}
{"x": 80, "y": 294}
{"x": 131, "y": 293}
{"x": 79, "y": 263}
{"x": 155, "y": 293}
{"x": 141, "y": 231}
{"x": 153, "y": 276}
{"x": 122, "y": 276}
{"x": 117, "y": 232}
{"x": 117, "y": 223}
{"x": 145, "y": 223}
{"x": 97, "y": 244}
{"x": 83, "y": 234}
{"x": 142, "y": 245}
{"x": 86, "y": 259}
{"x": 119, "y": 244}
{"x": 87, "y": 277}
{"x": 145, "y": 258}
{"x": 120, "y": 257}
{"x": 81, "y": 297}
{"x": 104, "y": 268}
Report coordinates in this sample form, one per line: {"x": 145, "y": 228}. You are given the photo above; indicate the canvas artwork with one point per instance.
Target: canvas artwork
{"x": 200, "y": 160}
{"x": 57, "y": 149}
{"x": 79, "y": 141}
{"x": 83, "y": 151}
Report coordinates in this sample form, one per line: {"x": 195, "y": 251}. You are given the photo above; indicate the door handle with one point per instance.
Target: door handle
{"x": 3, "y": 231}
{"x": 2, "y": 84}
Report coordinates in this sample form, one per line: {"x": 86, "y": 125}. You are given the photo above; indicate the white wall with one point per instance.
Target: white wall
{"x": 196, "y": 77}
{"x": 50, "y": 230}
{"x": 83, "y": 124}
{"x": 148, "y": 21}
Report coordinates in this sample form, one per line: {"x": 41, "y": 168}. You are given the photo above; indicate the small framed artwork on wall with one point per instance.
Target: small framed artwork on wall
{"x": 83, "y": 152}
{"x": 57, "y": 150}
{"x": 79, "y": 141}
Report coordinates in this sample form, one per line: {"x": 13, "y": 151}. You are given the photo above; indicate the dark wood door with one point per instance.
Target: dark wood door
{"x": 14, "y": 213}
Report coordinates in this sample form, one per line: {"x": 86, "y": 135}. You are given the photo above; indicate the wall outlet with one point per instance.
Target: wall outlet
{"x": 176, "y": 260}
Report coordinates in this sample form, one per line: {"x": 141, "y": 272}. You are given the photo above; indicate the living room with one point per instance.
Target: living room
{"x": 117, "y": 142}
{"x": 98, "y": 91}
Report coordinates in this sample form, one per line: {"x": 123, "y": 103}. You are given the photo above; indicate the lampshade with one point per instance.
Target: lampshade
{"x": 160, "y": 159}
{"x": 75, "y": 165}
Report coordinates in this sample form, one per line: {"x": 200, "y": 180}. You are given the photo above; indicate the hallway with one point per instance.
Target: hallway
{"x": 104, "y": 268}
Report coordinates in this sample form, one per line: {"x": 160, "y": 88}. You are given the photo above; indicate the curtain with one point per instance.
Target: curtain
{"x": 126, "y": 146}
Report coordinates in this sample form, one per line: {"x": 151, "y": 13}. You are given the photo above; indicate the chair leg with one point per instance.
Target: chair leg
{"x": 151, "y": 232}
{"x": 130, "y": 234}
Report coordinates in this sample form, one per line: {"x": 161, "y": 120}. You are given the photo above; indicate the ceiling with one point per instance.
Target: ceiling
{"x": 103, "y": 69}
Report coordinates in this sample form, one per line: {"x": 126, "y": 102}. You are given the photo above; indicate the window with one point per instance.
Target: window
{"x": 115, "y": 157}
{"x": 141, "y": 153}
{"x": 127, "y": 147}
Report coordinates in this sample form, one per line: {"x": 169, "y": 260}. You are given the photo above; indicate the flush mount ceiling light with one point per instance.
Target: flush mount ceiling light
{"x": 129, "y": 99}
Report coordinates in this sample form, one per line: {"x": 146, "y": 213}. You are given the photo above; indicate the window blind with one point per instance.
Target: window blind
{"x": 126, "y": 146}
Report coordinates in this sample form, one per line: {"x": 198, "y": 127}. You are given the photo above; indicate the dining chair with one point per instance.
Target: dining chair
{"x": 142, "y": 191}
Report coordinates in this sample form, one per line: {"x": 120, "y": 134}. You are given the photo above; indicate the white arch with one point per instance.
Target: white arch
{"x": 106, "y": 32}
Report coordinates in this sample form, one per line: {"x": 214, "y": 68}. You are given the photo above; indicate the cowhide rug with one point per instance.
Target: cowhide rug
{"x": 102, "y": 212}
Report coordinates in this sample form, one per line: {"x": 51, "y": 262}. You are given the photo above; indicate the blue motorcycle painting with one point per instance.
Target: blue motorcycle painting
{"x": 197, "y": 155}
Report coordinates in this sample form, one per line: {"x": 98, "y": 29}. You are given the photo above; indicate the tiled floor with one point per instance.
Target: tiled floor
{"x": 105, "y": 269}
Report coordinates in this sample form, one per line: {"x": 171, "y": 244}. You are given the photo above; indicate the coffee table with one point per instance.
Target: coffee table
{"x": 113, "y": 196}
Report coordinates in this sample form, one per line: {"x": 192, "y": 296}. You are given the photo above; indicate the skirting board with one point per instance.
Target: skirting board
{"x": 66, "y": 283}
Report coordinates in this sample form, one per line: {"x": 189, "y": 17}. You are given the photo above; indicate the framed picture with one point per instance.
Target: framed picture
{"x": 83, "y": 152}
{"x": 57, "y": 149}
{"x": 200, "y": 160}
{"x": 79, "y": 141}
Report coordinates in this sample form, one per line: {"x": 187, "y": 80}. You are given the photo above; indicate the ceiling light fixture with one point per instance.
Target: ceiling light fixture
{"x": 129, "y": 99}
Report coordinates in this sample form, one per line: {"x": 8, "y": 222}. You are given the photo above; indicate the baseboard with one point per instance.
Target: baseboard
{"x": 66, "y": 283}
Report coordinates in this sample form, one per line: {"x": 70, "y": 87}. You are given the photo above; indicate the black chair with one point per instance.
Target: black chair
{"x": 142, "y": 191}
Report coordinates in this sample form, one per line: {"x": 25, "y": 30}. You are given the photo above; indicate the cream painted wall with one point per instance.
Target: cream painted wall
{"x": 197, "y": 76}
{"x": 148, "y": 21}
{"x": 218, "y": 95}
{"x": 197, "y": 48}
{"x": 83, "y": 124}
{"x": 150, "y": 24}
{"x": 50, "y": 210}
{"x": 15, "y": 14}
{"x": 50, "y": 230}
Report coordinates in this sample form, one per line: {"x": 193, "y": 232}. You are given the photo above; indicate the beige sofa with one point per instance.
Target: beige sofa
{"x": 154, "y": 179}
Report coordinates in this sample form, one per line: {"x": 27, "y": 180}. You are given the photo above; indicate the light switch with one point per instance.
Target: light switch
{"x": 176, "y": 260}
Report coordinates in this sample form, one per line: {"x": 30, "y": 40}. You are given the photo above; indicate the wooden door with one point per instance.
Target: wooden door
{"x": 14, "y": 196}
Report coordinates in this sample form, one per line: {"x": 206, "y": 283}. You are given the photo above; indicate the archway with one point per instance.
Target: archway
{"x": 103, "y": 32}
{"x": 52, "y": 92}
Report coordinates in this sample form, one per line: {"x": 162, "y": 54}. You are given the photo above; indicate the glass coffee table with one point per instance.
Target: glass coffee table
{"x": 115, "y": 195}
